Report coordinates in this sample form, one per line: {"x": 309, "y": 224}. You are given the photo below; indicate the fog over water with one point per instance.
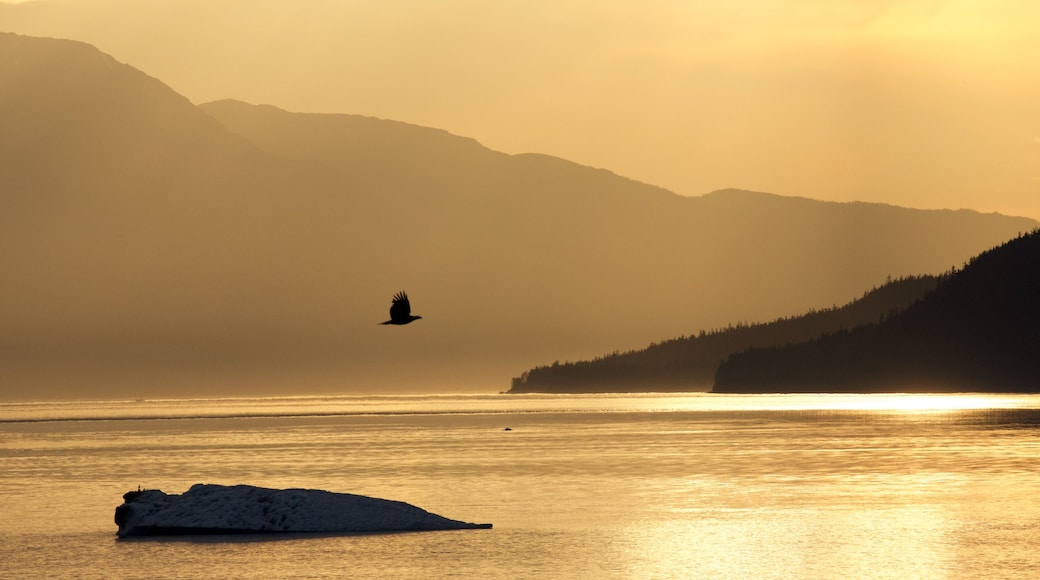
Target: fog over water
{"x": 221, "y": 197}
{"x": 162, "y": 248}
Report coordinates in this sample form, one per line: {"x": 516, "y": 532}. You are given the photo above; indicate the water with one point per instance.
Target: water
{"x": 709, "y": 486}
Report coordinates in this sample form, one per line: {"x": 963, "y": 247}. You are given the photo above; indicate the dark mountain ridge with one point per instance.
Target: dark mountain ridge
{"x": 978, "y": 331}
{"x": 147, "y": 240}
{"x": 689, "y": 363}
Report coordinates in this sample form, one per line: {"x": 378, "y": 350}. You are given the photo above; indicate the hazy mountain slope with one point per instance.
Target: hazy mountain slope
{"x": 136, "y": 230}
{"x": 628, "y": 250}
{"x": 689, "y": 363}
{"x": 146, "y": 243}
{"x": 978, "y": 331}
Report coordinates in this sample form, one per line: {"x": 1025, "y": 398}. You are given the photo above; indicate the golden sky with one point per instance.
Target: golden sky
{"x": 921, "y": 103}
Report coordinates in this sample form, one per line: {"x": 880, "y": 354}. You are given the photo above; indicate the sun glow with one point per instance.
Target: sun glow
{"x": 921, "y": 403}
{"x": 894, "y": 402}
{"x": 911, "y": 402}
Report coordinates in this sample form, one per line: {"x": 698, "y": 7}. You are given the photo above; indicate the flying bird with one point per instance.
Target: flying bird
{"x": 401, "y": 310}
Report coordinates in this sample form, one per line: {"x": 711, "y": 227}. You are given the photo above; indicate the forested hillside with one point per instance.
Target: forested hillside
{"x": 689, "y": 363}
{"x": 979, "y": 330}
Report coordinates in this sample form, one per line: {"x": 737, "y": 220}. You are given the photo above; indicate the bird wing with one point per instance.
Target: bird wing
{"x": 400, "y": 308}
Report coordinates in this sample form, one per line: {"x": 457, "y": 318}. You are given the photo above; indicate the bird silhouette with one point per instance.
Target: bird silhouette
{"x": 401, "y": 310}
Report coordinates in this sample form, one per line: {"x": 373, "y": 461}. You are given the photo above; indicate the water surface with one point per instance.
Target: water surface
{"x": 609, "y": 486}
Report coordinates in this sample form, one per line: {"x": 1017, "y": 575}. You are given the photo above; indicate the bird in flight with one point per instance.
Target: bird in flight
{"x": 401, "y": 310}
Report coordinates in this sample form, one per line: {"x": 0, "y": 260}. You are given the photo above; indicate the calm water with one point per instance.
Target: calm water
{"x": 709, "y": 486}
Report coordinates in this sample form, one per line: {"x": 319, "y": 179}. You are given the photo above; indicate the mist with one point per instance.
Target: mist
{"x": 159, "y": 239}
{"x": 920, "y": 103}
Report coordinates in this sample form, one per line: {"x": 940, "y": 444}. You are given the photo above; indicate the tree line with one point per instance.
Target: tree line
{"x": 979, "y": 330}
{"x": 689, "y": 363}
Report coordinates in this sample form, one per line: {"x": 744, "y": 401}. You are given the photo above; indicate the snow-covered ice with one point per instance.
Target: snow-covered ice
{"x": 238, "y": 509}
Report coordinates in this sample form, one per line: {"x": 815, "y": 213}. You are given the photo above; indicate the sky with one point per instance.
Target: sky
{"x": 920, "y": 103}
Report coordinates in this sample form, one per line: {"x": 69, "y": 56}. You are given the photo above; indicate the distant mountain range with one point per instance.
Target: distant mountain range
{"x": 153, "y": 246}
{"x": 979, "y": 330}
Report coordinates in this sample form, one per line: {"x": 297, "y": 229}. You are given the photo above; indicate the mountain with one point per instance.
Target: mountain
{"x": 689, "y": 363}
{"x": 153, "y": 247}
{"x": 138, "y": 236}
{"x": 978, "y": 331}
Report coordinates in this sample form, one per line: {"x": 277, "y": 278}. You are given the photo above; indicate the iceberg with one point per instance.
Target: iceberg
{"x": 246, "y": 509}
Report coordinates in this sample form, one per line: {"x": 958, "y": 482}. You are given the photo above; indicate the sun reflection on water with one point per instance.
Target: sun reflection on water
{"x": 918, "y": 402}
{"x": 464, "y": 404}
{"x": 899, "y": 542}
